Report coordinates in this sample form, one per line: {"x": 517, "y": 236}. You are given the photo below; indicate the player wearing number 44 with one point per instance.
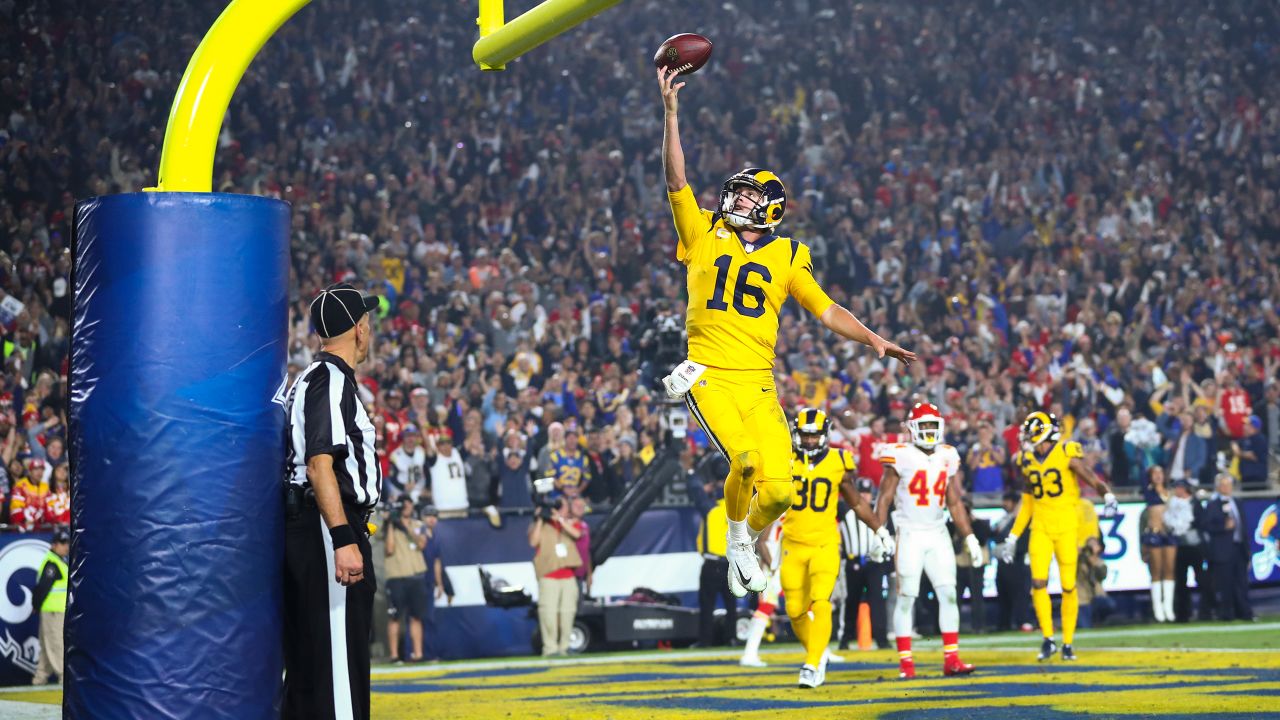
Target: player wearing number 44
{"x": 1050, "y": 504}
{"x": 931, "y": 487}
{"x": 739, "y": 275}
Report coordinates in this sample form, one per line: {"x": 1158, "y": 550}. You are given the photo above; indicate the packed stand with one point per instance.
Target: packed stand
{"x": 1065, "y": 208}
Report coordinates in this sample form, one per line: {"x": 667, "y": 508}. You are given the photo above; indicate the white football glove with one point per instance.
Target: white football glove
{"x": 975, "y": 550}
{"x": 1110, "y": 506}
{"x": 886, "y": 542}
{"x": 1007, "y": 548}
{"x": 682, "y": 378}
{"x": 876, "y": 553}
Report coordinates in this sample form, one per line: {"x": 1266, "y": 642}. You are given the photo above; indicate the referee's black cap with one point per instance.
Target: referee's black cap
{"x": 338, "y": 308}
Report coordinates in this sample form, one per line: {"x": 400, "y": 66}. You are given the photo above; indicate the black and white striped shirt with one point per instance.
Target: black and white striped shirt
{"x": 325, "y": 416}
{"x": 856, "y": 538}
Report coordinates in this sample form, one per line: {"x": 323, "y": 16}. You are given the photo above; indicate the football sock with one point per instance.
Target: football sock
{"x": 950, "y": 645}
{"x": 1044, "y": 610}
{"x": 1070, "y": 612}
{"x": 737, "y": 494}
{"x": 904, "y": 649}
{"x": 754, "y": 634}
{"x": 819, "y": 631}
{"x": 800, "y": 626}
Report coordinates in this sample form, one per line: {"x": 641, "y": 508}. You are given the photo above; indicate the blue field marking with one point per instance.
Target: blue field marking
{"x": 1031, "y": 690}
{"x": 995, "y": 672}
{"x": 1020, "y": 712}
{"x": 1258, "y": 674}
{"x": 728, "y": 704}
{"x": 1213, "y": 714}
{"x": 1044, "y": 713}
{"x": 1268, "y": 692}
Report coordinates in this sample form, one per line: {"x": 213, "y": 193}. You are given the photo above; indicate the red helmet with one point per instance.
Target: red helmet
{"x": 926, "y": 426}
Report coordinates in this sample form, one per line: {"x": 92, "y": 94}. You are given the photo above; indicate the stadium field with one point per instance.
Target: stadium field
{"x": 1210, "y": 671}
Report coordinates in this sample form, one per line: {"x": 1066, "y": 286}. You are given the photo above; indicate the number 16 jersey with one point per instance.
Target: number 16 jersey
{"x": 812, "y": 518}
{"x": 737, "y": 289}
{"x": 921, "y": 500}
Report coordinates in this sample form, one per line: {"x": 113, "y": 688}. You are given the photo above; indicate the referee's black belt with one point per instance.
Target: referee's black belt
{"x": 298, "y": 497}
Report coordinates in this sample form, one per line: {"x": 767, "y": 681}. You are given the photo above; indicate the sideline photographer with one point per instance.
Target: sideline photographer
{"x": 406, "y": 579}
{"x": 553, "y": 535}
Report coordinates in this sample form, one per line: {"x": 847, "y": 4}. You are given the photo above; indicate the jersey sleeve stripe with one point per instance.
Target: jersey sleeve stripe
{"x": 795, "y": 248}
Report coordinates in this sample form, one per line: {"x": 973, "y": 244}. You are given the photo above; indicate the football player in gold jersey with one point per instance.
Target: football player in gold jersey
{"x": 739, "y": 275}
{"x": 1052, "y": 471}
{"x": 811, "y": 536}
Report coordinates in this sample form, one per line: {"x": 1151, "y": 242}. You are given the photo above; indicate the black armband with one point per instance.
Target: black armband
{"x": 342, "y": 536}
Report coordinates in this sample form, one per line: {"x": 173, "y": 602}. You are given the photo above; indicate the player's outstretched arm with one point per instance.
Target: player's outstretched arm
{"x": 1100, "y": 486}
{"x": 954, "y": 504}
{"x": 888, "y": 487}
{"x": 839, "y": 320}
{"x": 672, "y": 152}
{"x": 861, "y": 510}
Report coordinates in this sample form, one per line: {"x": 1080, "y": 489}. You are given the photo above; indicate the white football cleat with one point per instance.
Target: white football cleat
{"x": 752, "y": 662}
{"x": 828, "y": 656}
{"x": 745, "y": 573}
{"x": 809, "y": 677}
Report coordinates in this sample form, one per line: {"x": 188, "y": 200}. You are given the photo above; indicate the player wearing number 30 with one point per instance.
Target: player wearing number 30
{"x": 811, "y": 537}
{"x": 1052, "y": 470}
{"x": 740, "y": 272}
{"x": 921, "y": 481}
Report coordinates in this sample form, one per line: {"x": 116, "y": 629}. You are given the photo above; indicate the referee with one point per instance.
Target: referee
{"x": 864, "y": 576}
{"x": 332, "y": 484}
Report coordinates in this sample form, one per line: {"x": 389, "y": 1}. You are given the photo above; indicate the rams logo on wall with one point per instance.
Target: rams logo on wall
{"x": 1266, "y": 560}
{"x": 19, "y": 645}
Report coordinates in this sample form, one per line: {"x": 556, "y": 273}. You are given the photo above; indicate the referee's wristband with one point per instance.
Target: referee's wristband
{"x": 342, "y": 536}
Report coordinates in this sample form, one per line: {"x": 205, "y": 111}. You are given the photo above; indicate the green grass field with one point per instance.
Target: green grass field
{"x": 1212, "y": 670}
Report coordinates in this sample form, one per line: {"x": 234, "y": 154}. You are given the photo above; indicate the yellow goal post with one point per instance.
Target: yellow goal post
{"x": 220, "y": 61}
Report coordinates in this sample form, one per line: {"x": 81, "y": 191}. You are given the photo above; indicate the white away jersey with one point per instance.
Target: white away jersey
{"x": 921, "y": 500}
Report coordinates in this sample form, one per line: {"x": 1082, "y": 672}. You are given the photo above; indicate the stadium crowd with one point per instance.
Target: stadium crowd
{"x": 1071, "y": 208}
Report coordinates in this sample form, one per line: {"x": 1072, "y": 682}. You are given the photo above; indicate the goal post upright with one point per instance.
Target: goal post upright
{"x": 501, "y": 42}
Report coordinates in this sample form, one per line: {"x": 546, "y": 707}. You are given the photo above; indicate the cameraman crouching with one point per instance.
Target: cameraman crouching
{"x": 555, "y": 556}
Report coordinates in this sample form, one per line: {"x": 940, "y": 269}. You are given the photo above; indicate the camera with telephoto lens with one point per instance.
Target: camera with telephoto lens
{"x": 543, "y": 503}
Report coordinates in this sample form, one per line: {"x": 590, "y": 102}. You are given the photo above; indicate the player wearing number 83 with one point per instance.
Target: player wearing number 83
{"x": 811, "y": 536}
{"x": 922, "y": 481}
{"x": 1052, "y": 470}
{"x": 740, "y": 272}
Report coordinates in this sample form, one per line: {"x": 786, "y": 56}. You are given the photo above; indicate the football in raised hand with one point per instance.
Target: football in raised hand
{"x": 685, "y": 52}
